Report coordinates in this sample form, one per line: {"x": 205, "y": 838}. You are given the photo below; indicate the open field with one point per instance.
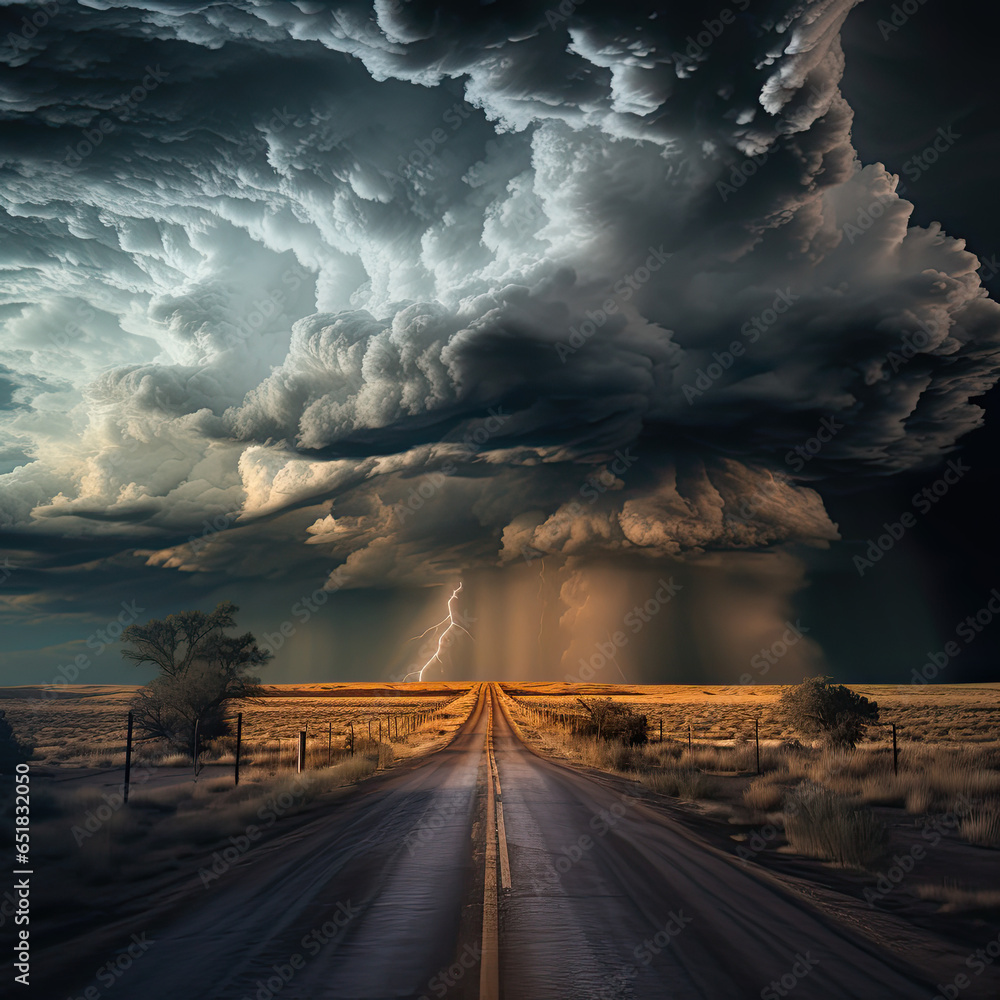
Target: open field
{"x": 952, "y": 715}
{"x": 85, "y": 725}
{"x": 847, "y": 809}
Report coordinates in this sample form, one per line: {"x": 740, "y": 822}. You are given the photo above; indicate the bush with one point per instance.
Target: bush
{"x": 610, "y": 720}
{"x": 834, "y": 712}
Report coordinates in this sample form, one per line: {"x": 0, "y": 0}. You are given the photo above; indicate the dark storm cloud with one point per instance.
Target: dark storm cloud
{"x": 262, "y": 258}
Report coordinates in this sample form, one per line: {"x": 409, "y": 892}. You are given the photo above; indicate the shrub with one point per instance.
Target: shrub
{"x": 834, "y": 712}
{"x": 609, "y": 720}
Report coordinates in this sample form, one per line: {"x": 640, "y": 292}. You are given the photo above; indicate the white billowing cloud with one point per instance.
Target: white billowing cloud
{"x": 481, "y": 256}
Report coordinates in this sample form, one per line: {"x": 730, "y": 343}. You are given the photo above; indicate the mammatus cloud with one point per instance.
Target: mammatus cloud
{"x": 400, "y": 285}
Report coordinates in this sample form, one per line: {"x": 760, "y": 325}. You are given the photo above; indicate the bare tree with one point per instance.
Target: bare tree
{"x": 201, "y": 669}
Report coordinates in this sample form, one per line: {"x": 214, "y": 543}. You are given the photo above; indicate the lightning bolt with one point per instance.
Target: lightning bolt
{"x": 450, "y": 619}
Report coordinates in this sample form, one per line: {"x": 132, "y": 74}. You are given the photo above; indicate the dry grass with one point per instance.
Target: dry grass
{"x": 763, "y": 796}
{"x": 84, "y": 725}
{"x": 821, "y": 824}
{"x": 982, "y": 825}
{"x": 99, "y": 840}
{"x": 682, "y": 783}
{"x": 945, "y": 715}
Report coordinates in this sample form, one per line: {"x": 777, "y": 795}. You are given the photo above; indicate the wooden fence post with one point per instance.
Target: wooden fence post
{"x": 196, "y": 748}
{"x": 329, "y": 744}
{"x": 302, "y": 751}
{"x": 756, "y": 736}
{"x": 239, "y": 743}
{"x": 352, "y": 738}
{"x": 895, "y": 751}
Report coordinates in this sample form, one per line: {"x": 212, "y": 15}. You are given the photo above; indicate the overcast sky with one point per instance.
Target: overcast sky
{"x": 661, "y": 332}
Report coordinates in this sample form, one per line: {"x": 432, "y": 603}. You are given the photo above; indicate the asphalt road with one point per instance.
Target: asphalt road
{"x": 382, "y": 897}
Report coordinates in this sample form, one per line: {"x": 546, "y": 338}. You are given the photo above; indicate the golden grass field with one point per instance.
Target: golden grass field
{"x": 846, "y": 808}
{"x": 843, "y": 808}
{"x": 86, "y": 724}
{"x": 946, "y": 714}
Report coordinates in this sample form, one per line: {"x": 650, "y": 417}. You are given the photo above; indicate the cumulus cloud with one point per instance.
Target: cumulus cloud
{"x": 417, "y": 275}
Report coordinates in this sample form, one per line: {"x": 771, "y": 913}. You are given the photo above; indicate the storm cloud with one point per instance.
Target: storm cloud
{"x": 411, "y": 289}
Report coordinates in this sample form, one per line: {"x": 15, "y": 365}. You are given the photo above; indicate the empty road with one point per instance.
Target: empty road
{"x": 382, "y": 896}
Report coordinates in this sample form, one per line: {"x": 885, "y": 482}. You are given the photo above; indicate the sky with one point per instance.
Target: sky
{"x": 667, "y": 334}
